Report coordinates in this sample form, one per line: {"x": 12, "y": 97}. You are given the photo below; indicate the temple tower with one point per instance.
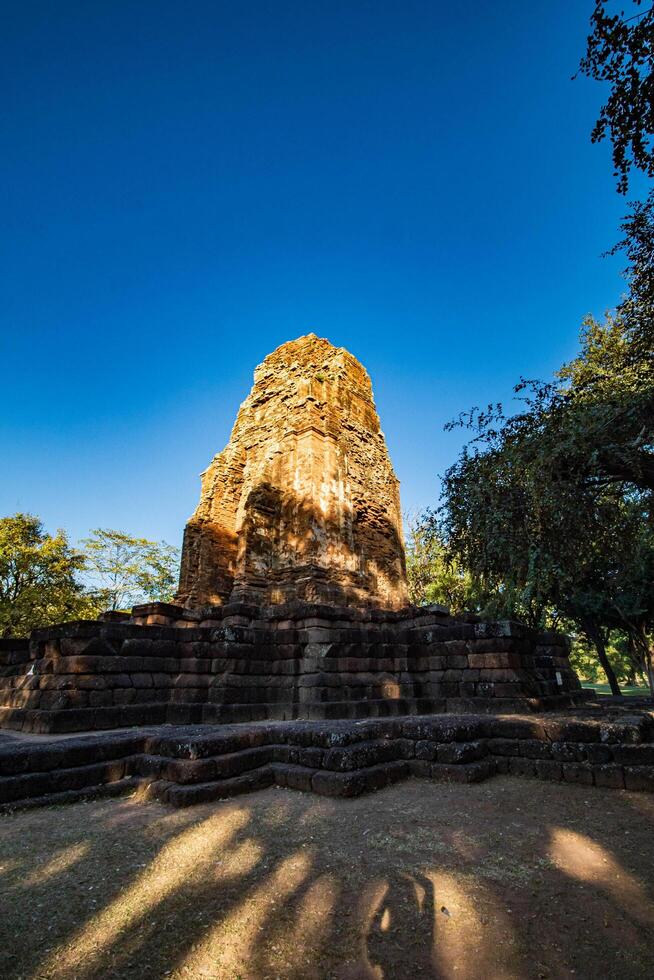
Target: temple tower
{"x": 303, "y": 502}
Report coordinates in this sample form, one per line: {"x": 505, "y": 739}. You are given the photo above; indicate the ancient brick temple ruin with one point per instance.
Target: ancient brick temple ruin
{"x": 303, "y": 502}
{"x": 291, "y": 635}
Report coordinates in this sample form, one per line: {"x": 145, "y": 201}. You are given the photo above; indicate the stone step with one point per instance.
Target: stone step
{"x": 39, "y": 784}
{"x": 122, "y": 787}
{"x": 183, "y": 765}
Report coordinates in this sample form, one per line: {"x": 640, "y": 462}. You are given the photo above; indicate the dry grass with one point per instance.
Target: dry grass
{"x": 507, "y": 879}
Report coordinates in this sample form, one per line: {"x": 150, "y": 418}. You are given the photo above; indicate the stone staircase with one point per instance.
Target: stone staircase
{"x": 187, "y": 765}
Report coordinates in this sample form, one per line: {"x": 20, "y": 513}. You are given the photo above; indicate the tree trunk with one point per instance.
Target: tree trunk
{"x": 641, "y": 474}
{"x": 635, "y": 665}
{"x": 640, "y": 642}
{"x": 649, "y": 666}
{"x": 595, "y": 636}
{"x": 650, "y": 677}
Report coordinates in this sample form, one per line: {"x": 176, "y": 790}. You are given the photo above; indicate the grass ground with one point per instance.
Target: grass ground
{"x": 505, "y": 879}
{"x": 633, "y": 690}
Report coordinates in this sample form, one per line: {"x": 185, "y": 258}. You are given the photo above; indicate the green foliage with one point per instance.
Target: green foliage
{"x": 636, "y": 310}
{"x": 551, "y": 508}
{"x": 436, "y": 575}
{"x": 124, "y": 570}
{"x": 433, "y": 577}
{"x": 38, "y": 578}
{"x": 44, "y": 581}
{"x": 620, "y": 51}
{"x": 584, "y": 661}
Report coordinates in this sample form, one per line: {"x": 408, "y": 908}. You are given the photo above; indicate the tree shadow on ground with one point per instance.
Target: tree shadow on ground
{"x": 509, "y": 878}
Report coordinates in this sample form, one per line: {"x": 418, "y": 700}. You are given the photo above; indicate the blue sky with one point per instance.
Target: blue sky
{"x": 188, "y": 185}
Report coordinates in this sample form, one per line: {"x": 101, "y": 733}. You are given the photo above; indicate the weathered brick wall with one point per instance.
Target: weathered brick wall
{"x": 243, "y": 663}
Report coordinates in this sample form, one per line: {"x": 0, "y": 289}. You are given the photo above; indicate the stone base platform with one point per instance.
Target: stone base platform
{"x": 182, "y": 765}
{"x": 237, "y": 663}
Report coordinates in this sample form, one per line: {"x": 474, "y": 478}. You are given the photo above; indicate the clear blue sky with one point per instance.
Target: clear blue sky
{"x": 187, "y": 185}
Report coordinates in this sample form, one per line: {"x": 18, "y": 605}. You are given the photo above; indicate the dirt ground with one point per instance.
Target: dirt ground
{"x": 508, "y": 878}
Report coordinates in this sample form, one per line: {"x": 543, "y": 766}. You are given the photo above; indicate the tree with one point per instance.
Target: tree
{"x": 551, "y": 508}
{"x": 432, "y": 576}
{"x": 632, "y": 614}
{"x": 436, "y": 575}
{"x": 620, "y": 51}
{"x": 38, "y": 578}
{"x": 612, "y": 381}
{"x": 620, "y": 654}
{"x": 601, "y": 420}
{"x": 124, "y": 570}
{"x": 636, "y": 310}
